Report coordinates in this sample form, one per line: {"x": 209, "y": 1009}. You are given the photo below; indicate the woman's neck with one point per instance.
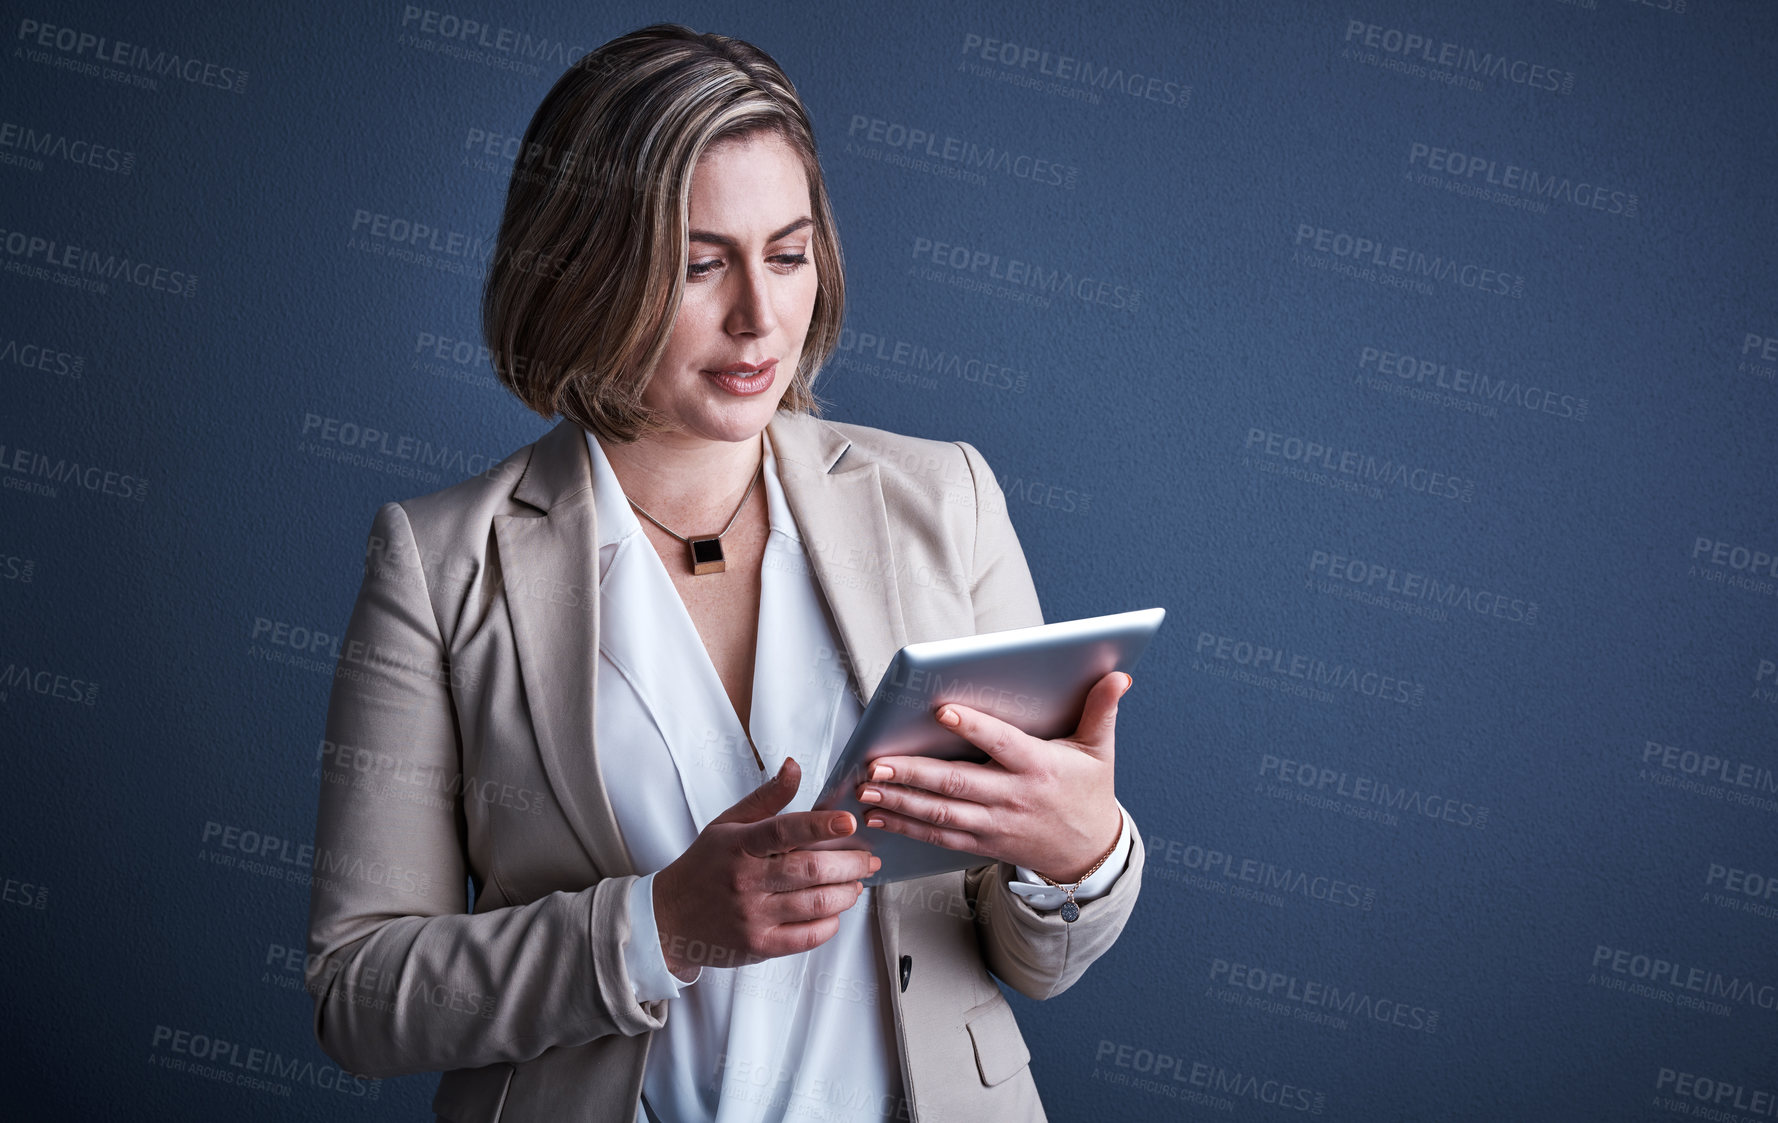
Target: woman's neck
{"x": 689, "y": 483}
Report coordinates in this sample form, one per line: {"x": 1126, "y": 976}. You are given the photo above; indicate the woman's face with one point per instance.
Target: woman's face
{"x": 749, "y": 293}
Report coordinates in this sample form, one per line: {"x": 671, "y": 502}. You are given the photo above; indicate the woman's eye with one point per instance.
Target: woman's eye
{"x": 788, "y": 262}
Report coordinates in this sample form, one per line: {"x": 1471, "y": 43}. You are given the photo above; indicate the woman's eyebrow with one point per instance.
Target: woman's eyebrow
{"x": 724, "y": 240}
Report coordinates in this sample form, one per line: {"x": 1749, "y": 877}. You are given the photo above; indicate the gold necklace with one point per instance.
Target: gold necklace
{"x": 706, "y": 552}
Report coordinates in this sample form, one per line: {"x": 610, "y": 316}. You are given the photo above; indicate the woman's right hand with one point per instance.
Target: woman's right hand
{"x": 745, "y": 890}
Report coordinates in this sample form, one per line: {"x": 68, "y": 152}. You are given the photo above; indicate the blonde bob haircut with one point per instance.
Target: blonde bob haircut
{"x": 589, "y": 266}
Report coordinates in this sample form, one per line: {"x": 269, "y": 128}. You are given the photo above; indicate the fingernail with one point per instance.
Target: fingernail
{"x": 842, "y": 823}
{"x": 873, "y": 821}
{"x": 881, "y": 772}
{"x": 1128, "y": 681}
{"x": 870, "y": 795}
{"x": 876, "y": 863}
{"x": 949, "y": 716}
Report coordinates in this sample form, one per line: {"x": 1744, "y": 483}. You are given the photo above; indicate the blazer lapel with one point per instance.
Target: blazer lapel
{"x": 844, "y": 523}
{"x": 551, "y": 578}
{"x": 550, "y": 570}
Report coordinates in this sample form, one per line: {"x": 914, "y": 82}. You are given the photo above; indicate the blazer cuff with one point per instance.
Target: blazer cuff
{"x": 1039, "y": 894}
{"x": 608, "y": 933}
{"x": 650, "y": 977}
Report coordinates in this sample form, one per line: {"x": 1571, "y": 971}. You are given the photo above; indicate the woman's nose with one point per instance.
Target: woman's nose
{"x": 751, "y": 311}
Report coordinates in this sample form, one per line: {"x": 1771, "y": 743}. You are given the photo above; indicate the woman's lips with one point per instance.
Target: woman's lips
{"x": 746, "y": 379}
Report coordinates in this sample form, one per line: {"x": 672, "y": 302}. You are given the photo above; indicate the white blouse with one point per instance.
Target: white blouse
{"x": 799, "y": 1035}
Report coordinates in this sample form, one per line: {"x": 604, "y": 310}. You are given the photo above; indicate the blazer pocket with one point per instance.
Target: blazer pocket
{"x": 999, "y": 1046}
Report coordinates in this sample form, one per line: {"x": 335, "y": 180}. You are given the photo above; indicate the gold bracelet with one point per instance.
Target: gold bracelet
{"x": 1070, "y": 910}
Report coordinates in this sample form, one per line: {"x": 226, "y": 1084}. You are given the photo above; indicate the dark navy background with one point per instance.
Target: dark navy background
{"x": 1565, "y": 789}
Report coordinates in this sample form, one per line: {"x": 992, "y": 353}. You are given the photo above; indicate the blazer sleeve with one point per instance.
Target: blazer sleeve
{"x": 1036, "y": 953}
{"x": 404, "y": 979}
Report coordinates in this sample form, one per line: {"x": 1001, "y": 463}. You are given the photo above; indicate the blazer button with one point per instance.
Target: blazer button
{"x": 907, "y": 968}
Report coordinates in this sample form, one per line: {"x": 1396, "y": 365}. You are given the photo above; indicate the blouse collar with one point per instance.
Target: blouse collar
{"x": 618, "y": 520}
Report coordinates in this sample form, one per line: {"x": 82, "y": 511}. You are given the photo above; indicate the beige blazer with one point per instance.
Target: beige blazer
{"x": 459, "y": 751}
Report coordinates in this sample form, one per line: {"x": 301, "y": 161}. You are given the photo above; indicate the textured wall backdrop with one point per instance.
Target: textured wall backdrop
{"x": 1420, "y": 358}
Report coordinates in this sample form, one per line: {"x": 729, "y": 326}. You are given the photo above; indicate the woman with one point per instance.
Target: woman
{"x": 612, "y": 728}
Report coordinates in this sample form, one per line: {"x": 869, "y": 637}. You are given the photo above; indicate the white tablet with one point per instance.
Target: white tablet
{"x": 1034, "y": 678}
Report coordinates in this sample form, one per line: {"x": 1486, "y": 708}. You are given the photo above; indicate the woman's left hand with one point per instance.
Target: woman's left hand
{"x": 1045, "y": 805}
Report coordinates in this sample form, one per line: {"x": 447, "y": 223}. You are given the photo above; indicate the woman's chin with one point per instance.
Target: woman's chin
{"x": 717, "y": 415}
{"x": 733, "y": 423}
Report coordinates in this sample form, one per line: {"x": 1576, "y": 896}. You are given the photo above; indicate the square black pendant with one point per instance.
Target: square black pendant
{"x": 706, "y": 555}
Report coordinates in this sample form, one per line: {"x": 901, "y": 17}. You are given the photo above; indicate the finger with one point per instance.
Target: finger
{"x": 958, "y": 814}
{"x": 783, "y": 833}
{"x": 790, "y": 939}
{"x": 956, "y": 779}
{"x": 814, "y": 903}
{"x": 769, "y": 798}
{"x": 1098, "y": 718}
{"x": 801, "y": 869}
{"x": 1002, "y": 741}
{"x": 920, "y": 830}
